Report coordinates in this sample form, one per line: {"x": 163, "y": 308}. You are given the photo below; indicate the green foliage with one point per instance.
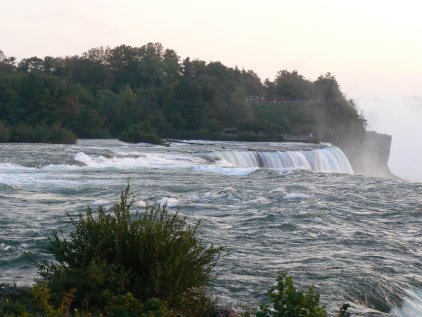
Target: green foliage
{"x": 288, "y": 301}
{"x": 42, "y": 294}
{"x": 135, "y": 134}
{"x": 128, "y": 306}
{"x": 41, "y": 133}
{"x": 36, "y": 303}
{"x": 107, "y": 90}
{"x": 152, "y": 254}
{"x": 5, "y": 132}
{"x": 292, "y": 86}
{"x": 16, "y": 302}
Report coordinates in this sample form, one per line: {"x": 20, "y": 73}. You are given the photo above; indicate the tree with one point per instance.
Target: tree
{"x": 239, "y": 108}
{"x": 54, "y": 65}
{"x": 252, "y": 84}
{"x": 33, "y": 64}
{"x": 292, "y": 86}
{"x": 171, "y": 65}
{"x": 127, "y": 110}
{"x": 88, "y": 72}
{"x": 5, "y": 132}
{"x": 328, "y": 88}
{"x": 150, "y": 65}
{"x": 151, "y": 254}
{"x": 122, "y": 62}
{"x": 148, "y": 87}
{"x": 7, "y": 64}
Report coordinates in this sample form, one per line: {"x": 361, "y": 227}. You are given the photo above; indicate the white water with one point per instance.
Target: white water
{"x": 327, "y": 160}
{"x": 229, "y": 171}
{"x": 412, "y": 305}
{"x": 272, "y": 215}
{"x": 230, "y": 162}
{"x": 296, "y": 196}
{"x": 151, "y": 160}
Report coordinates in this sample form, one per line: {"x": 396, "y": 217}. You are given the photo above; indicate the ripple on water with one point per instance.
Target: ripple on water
{"x": 357, "y": 239}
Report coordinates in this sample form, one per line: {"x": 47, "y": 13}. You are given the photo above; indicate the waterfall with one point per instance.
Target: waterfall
{"x": 327, "y": 160}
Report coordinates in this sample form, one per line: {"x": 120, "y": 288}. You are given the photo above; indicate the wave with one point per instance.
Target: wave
{"x": 296, "y": 196}
{"x": 7, "y": 167}
{"x": 412, "y": 305}
{"x": 12, "y": 168}
{"x": 5, "y": 247}
{"x": 221, "y": 170}
{"x": 151, "y": 160}
{"x": 227, "y": 162}
{"x": 327, "y": 160}
{"x": 169, "y": 202}
{"x": 101, "y": 202}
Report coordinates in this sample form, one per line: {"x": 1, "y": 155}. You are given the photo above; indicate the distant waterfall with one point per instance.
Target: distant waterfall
{"x": 327, "y": 160}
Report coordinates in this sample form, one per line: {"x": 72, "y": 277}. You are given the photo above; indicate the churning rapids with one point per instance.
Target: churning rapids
{"x": 274, "y": 206}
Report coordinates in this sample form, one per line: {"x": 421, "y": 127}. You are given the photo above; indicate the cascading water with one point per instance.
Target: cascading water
{"x": 327, "y": 160}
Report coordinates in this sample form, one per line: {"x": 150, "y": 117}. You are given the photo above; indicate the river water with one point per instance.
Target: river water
{"x": 274, "y": 206}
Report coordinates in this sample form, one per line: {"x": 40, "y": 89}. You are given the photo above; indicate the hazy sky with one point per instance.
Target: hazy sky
{"x": 374, "y": 48}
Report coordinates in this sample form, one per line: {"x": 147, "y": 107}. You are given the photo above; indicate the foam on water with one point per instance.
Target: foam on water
{"x": 141, "y": 203}
{"x": 221, "y": 170}
{"x": 101, "y": 202}
{"x": 150, "y": 160}
{"x": 324, "y": 229}
{"x": 10, "y": 167}
{"x": 296, "y": 196}
{"x": 169, "y": 201}
{"x": 5, "y": 247}
{"x": 412, "y": 305}
{"x": 59, "y": 167}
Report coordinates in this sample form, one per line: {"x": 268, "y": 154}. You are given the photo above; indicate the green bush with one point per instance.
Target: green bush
{"x": 42, "y": 133}
{"x": 5, "y": 132}
{"x": 288, "y": 301}
{"x": 151, "y": 254}
{"x": 16, "y": 301}
{"x": 134, "y": 134}
{"x": 53, "y": 134}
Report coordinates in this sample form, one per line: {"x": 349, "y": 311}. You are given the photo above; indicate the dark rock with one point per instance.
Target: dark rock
{"x": 371, "y": 156}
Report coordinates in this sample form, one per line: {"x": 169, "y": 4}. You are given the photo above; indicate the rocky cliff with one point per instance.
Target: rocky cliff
{"x": 370, "y": 156}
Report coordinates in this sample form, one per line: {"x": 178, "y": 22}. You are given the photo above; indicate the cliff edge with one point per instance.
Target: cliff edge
{"x": 370, "y": 157}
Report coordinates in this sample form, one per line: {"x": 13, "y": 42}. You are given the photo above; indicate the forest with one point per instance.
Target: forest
{"x": 149, "y": 92}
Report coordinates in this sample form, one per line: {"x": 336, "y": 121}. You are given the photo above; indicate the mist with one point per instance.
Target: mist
{"x": 401, "y": 118}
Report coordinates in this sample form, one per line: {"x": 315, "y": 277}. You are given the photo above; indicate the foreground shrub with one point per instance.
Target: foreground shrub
{"x": 152, "y": 254}
{"x": 288, "y": 301}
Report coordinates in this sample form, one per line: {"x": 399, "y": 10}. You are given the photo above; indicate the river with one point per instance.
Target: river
{"x": 274, "y": 206}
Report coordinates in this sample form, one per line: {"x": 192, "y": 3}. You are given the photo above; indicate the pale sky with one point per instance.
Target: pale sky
{"x": 373, "y": 47}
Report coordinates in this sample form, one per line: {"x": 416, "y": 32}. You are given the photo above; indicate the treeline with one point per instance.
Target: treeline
{"x": 111, "y": 92}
